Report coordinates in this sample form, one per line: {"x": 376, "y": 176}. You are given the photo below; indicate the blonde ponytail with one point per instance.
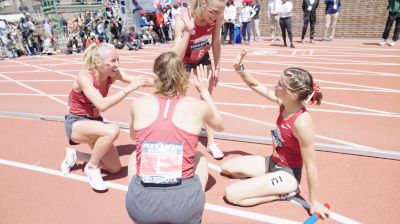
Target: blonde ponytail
{"x": 88, "y": 59}
{"x": 196, "y": 9}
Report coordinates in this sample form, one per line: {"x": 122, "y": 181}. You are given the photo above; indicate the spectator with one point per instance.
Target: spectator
{"x": 285, "y": 21}
{"x": 273, "y": 6}
{"x": 255, "y": 21}
{"x": 144, "y": 24}
{"x": 246, "y": 14}
{"x": 229, "y": 21}
{"x": 133, "y": 40}
{"x": 394, "y": 15}
{"x": 92, "y": 40}
{"x": 331, "y": 16}
{"x": 310, "y": 17}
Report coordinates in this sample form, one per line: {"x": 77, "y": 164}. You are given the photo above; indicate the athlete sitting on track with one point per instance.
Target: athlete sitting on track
{"x": 278, "y": 176}
{"x": 167, "y": 174}
{"x": 84, "y": 124}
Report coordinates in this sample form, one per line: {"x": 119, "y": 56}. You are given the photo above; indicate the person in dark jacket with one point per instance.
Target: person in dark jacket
{"x": 310, "y": 17}
{"x": 331, "y": 16}
{"x": 394, "y": 15}
{"x": 133, "y": 40}
{"x": 255, "y": 21}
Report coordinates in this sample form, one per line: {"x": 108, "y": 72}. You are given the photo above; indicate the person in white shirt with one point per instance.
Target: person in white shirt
{"x": 285, "y": 21}
{"x": 246, "y": 14}
{"x": 229, "y": 21}
{"x": 273, "y": 16}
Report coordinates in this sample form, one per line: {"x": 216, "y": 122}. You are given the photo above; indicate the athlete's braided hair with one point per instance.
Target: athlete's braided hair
{"x": 300, "y": 82}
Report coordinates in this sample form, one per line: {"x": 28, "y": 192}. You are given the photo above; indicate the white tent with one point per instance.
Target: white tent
{"x": 12, "y": 17}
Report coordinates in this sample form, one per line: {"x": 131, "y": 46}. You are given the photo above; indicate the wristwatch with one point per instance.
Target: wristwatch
{"x": 241, "y": 70}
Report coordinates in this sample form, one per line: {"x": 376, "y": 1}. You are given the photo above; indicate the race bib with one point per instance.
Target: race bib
{"x": 161, "y": 163}
{"x": 309, "y": 8}
{"x": 200, "y": 47}
{"x": 277, "y": 140}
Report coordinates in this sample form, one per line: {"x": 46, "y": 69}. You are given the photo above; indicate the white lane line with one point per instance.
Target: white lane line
{"x": 33, "y": 89}
{"x": 330, "y": 82}
{"x": 230, "y": 84}
{"x": 332, "y": 215}
{"x": 358, "y": 108}
{"x": 40, "y": 80}
{"x": 309, "y": 66}
{"x": 69, "y": 75}
{"x": 330, "y": 103}
{"x": 273, "y": 125}
{"x": 124, "y": 188}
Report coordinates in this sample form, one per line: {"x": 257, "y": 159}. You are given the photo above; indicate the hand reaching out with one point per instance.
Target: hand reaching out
{"x": 187, "y": 19}
{"x": 239, "y": 59}
{"x": 141, "y": 81}
{"x": 202, "y": 79}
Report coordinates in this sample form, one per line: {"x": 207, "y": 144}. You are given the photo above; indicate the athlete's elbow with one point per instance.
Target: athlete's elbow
{"x": 219, "y": 126}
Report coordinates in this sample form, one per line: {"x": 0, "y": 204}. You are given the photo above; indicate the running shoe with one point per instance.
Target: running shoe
{"x": 393, "y": 43}
{"x": 95, "y": 178}
{"x": 383, "y": 43}
{"x": 69, "y": 161}
{"x": 215, "y": 151}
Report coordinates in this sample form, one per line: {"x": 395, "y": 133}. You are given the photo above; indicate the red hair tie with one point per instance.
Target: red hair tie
{"x": 315, "y": 92}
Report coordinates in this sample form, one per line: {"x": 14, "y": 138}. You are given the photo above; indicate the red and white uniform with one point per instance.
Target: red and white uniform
{"x": 79, "y": 104}
{"x": 199, "y": 43}
{"x": 163, "y": 131}
{"x": 285, "y": 143}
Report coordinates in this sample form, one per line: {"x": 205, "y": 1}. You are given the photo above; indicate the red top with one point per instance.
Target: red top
{"x": 79, "y": 104}
{"x": 199, "y": 43}
{"x": 163, "y": 130}
{"x": 287, "y": 145}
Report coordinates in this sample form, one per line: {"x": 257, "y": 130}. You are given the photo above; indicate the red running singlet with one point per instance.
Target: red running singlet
{"x": 163, "y": 130}
{"x": 199, "y": 43}
{"x": 80, "y": 105}
{"x": 285, "y": 143}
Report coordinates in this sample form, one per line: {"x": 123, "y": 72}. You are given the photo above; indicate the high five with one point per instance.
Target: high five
{"x": 196, "y": 32}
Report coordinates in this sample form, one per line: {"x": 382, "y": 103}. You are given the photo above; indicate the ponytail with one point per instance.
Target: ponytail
{"x": 196, "y": 9}
{"x": 88, "y": 57}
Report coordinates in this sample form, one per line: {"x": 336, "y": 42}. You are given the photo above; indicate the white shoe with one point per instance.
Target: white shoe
{"x": 69, "y": 161}
{"x": 393, "y": 43}
{"x": 383, "y": 43}
{"x": 95, "y": 178}
{"x": 215, "y": 151}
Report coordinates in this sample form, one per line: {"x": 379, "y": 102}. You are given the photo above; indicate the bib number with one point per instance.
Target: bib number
{"x": 161, "y": 163}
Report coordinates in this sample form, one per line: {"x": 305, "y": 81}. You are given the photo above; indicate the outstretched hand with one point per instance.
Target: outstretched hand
{"x": 239, "y": 59}
{"x": 187, "y": 19}
{"x": 202, "y": 79}
{"x": 141, "y": 81}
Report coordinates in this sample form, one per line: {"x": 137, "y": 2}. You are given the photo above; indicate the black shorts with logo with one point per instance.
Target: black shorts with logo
{"x": 205, "y": 60}
{"x": 70, "y": 119}
{"x": 295, "y": 172}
